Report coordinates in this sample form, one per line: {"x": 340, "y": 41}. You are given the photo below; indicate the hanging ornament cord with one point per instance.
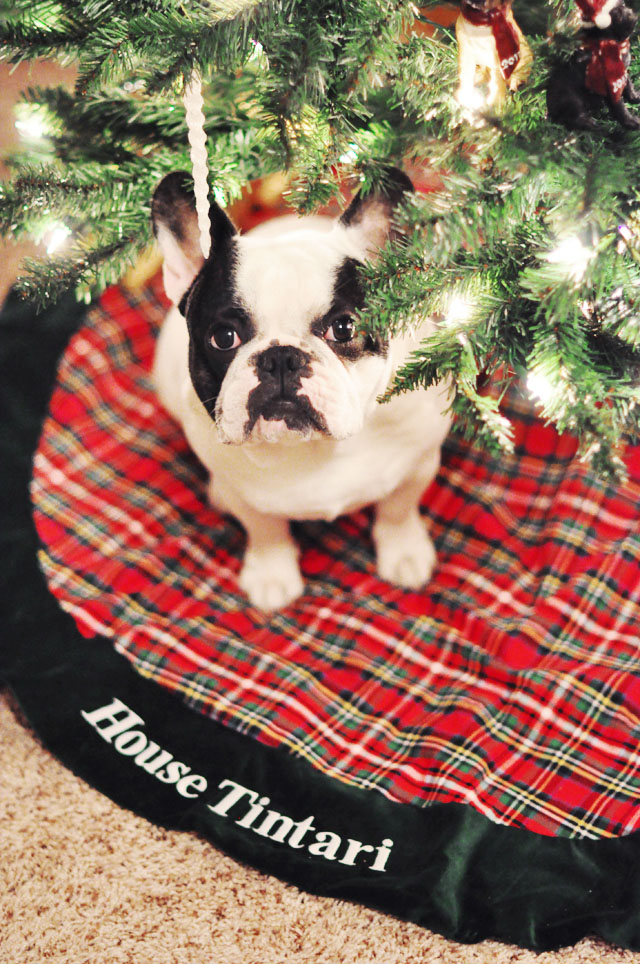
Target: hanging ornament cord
{"x": 194, "y": 104}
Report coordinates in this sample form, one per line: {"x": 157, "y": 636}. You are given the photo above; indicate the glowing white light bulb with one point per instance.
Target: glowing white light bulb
{"x": 459, "y": 310}
{"x": 540, "y": 387}
{"x": 471, "y": 98}
{"x": 573, "y": 256}
{"x": 350, "y": 156}
{"x": 32, "y": 127}
{"x": 57, "y": 238}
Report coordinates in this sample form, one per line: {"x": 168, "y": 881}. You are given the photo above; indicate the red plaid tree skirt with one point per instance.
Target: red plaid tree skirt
{"x": 512, "y": 683}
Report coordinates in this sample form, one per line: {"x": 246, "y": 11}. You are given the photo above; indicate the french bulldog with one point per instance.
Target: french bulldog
{"x": 262, "y": 362}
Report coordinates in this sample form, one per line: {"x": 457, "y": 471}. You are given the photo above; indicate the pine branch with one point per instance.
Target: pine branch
{"x": 83, "y": 270}
{"x": 329, "y": 89}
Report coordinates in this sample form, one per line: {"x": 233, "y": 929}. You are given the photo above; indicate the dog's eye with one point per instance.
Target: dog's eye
{"x": 341, "y": 330}
{"x": 225, "y": 338}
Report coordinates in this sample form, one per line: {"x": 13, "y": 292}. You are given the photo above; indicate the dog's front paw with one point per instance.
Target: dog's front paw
{"x": 405, "y": 554}
{"x": 271, "y": 577}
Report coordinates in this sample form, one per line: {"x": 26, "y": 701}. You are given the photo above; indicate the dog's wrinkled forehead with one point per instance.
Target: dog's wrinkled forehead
{"x": 287, "y": 283}
{"x": 275, "y": 287}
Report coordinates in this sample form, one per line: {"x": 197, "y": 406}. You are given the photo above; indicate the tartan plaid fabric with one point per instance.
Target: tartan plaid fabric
{"x": 511, "y": 684}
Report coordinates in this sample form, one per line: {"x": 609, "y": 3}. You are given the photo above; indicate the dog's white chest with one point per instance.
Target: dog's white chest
{"x": 324, "y": 479}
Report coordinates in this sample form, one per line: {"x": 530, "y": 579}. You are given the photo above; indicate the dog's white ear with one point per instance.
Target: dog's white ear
{"x": 175, "y": 225}
{"x": 370, "y": 213}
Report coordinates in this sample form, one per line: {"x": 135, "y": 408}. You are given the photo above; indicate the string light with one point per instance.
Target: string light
{"x": 33, "y": 129}
{"x": 459, "y": 310}
{"x": 132, "y": 86}
{"x": 57, "y": 238}
{"x": 572, "y": 255}
{"x": 31, "y": 122}
{"x": 350, "y": 156}
{"x": 540, "y": 387}
{"x": 544, "y": 388}
{"x": 471, "y": 99}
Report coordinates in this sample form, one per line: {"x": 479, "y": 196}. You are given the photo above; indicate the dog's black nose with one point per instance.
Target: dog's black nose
{"x": 281, "y": 363}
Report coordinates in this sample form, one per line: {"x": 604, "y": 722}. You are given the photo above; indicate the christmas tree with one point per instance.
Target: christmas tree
{"x": 526, "y": 247}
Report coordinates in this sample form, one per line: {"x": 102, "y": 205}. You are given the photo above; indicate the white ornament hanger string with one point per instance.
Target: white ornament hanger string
{"x": 194, "y": 103}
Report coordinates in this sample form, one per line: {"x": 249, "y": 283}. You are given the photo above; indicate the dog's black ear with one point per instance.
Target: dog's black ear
{"x": 175, "y": 225}
{"x": 370, "y": 213}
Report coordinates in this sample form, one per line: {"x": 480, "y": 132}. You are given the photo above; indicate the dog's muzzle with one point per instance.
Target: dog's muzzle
{"x": 277, "y": 397}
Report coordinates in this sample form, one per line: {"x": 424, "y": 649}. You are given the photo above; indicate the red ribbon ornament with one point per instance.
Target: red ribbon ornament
{"x": 504, "y": 34}
{"x": 606, "y": 71}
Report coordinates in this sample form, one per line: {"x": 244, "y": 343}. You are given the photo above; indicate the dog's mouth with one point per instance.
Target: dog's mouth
{"x": 285, "y": 417}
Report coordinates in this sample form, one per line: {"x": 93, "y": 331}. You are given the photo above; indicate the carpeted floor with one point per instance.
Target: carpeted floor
{"x": 85, "y": 882}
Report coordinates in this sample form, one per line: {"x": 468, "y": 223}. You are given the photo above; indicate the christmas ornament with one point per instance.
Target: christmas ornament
{"x": 598, "y": 72}
{"x": 597, "y": 11}
{"x": 194, "y": 107}
{"x": 492, "y": 50}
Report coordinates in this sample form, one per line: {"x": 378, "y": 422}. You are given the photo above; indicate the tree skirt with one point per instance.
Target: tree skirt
{"x": 465, "y": 756}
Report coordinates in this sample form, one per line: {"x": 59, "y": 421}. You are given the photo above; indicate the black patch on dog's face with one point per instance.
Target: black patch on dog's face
{"x": 213, "y": 310}
{"x": 348, "y": 298}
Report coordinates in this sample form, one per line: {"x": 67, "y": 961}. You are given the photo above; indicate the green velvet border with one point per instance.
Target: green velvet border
{"x": 450, "y": 869}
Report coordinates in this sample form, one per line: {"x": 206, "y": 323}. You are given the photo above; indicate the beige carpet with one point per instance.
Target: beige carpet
{"x": 84, "y": 882}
